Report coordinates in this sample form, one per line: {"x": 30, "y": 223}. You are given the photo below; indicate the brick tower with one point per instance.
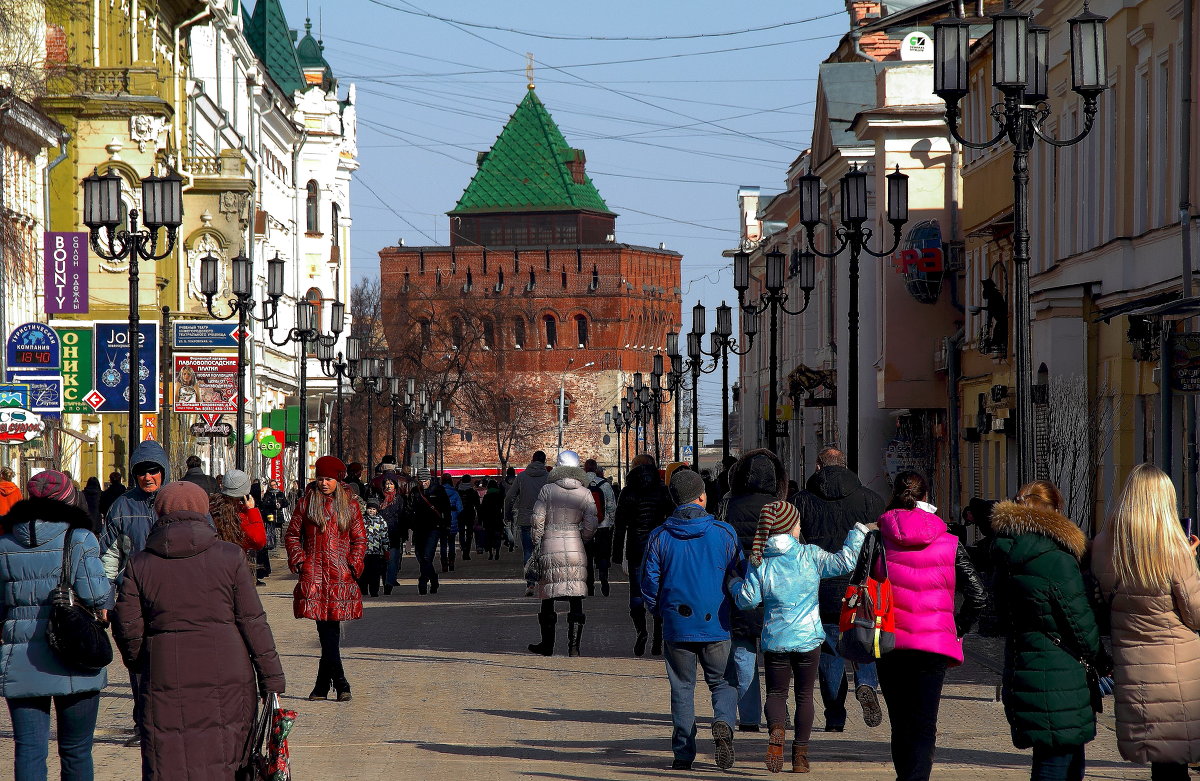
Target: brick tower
{"x": 534, "y": 290}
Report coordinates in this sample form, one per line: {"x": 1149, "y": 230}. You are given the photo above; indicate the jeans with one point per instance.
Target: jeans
{"x": 527, "y": 549}
{"x": 393, "y": 565}
{"x": 1061, "y": 765}
{"x": 681, "y": 672}
{"x": 330, "y": 669}
{"x": 263, "y": 560}
{"x": 912, "y": 688}
{"x": 742, "y": 672}
{"x": 833, "y": 680}
{"x": 425, "y": 546}
{"x": 76, "y": 718}
{"x": 781, "y": 669}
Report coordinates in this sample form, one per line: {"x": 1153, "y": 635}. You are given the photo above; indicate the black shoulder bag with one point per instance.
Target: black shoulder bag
{"x": 76, "y": 635}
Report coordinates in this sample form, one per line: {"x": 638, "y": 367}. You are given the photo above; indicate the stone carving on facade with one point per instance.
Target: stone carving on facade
{"x": 233, "y": 204}
{"x": 206, "y": 244}
{"x": 145, "y": 129}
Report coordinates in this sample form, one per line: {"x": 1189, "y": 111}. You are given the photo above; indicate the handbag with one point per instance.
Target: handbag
{"x": 75, "y": 634}
{"x": 254, "y": 757}
{"x": 867, "y": 625}
{"x": 533, "y": 567}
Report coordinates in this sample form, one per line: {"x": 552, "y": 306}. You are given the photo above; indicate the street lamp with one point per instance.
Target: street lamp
{"x": 562, "y": 398}
{"x": 773, "y": 300}
{"x": 853, "y": 234}
{"x": 372, "y": 378}
{"x": 162, "y": 202}
{"x": 303, "y": 333}
{"x": 694, "y": 365}
{"x": 242, "y": 306}
{"x": 613, "y": 422}
{"x": 1019, "y": 68}
{"x": 721, "y": 344}
{"x": 340, "y": 367}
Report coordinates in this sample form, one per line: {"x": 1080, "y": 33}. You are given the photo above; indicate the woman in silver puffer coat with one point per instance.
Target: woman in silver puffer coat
{"x": 564, "y": 518}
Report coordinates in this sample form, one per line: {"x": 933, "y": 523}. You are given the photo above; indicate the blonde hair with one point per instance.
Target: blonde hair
{"x": 1149, "y": 544}
{"x": 314, "y": 508}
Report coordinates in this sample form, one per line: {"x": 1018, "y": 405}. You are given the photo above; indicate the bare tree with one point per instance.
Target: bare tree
{"x": 507, "y": 411}
{"x": 1078, "y": 435}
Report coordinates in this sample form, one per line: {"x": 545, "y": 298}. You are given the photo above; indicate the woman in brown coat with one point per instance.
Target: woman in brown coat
{"x": 189, "y": 620}
{"x": 326, "y": 544}
{"x": 1147, "y": 571}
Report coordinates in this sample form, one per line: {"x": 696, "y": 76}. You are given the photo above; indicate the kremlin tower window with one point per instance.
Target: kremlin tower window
{"x": 551, "y": 332}
{"x": 581, "y": 328}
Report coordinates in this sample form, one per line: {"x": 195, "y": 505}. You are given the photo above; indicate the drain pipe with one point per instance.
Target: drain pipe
{"x": 1185, "y": 235}
{"x": 953, "y": 344}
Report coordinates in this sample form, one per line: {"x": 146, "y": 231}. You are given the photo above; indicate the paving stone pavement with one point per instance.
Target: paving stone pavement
{"x": 444, "y": 690}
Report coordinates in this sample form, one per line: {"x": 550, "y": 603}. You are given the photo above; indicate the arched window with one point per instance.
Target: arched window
{"x": 312, "y": 211}
{"x": 551, "y": 331}
{"x": 456, "y": 332}
{"x": 581, "y": 330}
{"x": 489, "y": 334}
{"x": 518, "y": 332}
{"x": 335, "y": 225}
{"x": 313, "y": 296}
{"x": 426, "y": 333}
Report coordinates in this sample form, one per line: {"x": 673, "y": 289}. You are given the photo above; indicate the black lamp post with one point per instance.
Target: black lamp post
{"x": 1019, "y": 70}
{"x": 773, "y": 300}
{"x": 399, "y": 399}
{"x": 695, "y": 367}
{"x": 722, "y": 343}
{"x": 370, "y": 376}
{"x": 242, "y": 306}
{"x": 162, "y": 202}
{"x": 305, "y": 332}
{"x": 613, "y": 422}
{"x": 340, "y": 366}
{"x": 853, "y": 234}
{"x": 675, "y": 382}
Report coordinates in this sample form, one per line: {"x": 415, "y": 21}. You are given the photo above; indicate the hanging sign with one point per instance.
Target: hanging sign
{"x": 204, "y": 335}
{"x": 921, "y": 260}
{"x": 213, "y": 429}
{"x": 14, "y": 394}
{"x": 45, "y": 393}
{"x": 111, "y": 391}
{"x": 270, "y": 446}
{"x": 19, "y": 425}
{"x": 206, "y": 384}
{"x": 33, "y": 347}
{"x": 1185, "y": 363}
{"x": 150, "y": 427}
{"x": 77, "y": 368}
{"x": 66, "y": 272}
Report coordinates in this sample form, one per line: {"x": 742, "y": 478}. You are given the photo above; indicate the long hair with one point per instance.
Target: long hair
{"x": 314, "y": 507}
{"x": 1041, "y": 494}
{"x": 909, "y": 488}
{"x": 224, "y": 511}
{"x": 1149, "y": 545}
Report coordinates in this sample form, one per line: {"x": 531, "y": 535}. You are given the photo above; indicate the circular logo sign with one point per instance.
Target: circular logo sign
{"x": 269, "y": 446}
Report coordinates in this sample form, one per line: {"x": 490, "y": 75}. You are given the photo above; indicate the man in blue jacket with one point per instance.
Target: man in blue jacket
{"x": 686, "y": 564}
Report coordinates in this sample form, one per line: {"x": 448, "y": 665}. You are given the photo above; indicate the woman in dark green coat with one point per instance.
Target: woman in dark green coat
{"x": 1042, "y": 603}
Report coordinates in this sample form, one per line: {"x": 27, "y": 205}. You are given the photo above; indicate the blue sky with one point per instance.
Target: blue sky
{"x": 671, "y": 127}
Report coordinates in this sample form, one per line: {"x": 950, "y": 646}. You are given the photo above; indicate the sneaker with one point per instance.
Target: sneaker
{"x": 723, "y": 738}
{"x": 529, "y": 591}
{"x": 869, "y": 700}
{"x": 681, "y": 764}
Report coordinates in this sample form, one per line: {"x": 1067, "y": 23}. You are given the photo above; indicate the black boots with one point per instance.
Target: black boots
{"x": 656, "y": 648}
{"x": 342, "y": 687}
{"x": 638, "y": 614}
{"x": 604, "y": 581}
{"x": 546, "y": 647}
{"x": 574, "y": 632}
{"x": 321, "y": 689}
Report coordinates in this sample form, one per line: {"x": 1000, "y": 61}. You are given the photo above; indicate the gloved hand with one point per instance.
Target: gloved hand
{"x": 1107, "y": 685}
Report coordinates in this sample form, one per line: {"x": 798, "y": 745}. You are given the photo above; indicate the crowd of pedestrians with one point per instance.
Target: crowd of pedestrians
{"x": 751, "y": 587}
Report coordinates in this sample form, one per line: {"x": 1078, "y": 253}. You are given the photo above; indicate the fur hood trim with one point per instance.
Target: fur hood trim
{"x": 1015, "y": 519}
{"x": 568, "y": 473}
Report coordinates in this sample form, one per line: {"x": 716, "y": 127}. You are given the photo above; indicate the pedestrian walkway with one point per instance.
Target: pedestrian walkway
{"x": 444, "y": 690}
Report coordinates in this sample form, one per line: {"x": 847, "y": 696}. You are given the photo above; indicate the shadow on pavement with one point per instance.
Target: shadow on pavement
{"x": 582, "y": 716}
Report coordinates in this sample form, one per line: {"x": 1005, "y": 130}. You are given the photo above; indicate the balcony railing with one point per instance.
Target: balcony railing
{"x": 202, "y": 165}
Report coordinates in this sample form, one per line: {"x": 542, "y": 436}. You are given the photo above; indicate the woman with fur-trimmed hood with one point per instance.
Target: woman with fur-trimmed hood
{"x": 564, "y": 519}
{"x": 1042, "y": 603}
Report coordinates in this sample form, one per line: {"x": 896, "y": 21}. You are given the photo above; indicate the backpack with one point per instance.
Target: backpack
{"x": 598, "y": 498}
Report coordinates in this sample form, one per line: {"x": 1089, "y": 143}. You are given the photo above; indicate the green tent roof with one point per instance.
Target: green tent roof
{"x": 526, "y": 169}
{"x": 271, "y": 40}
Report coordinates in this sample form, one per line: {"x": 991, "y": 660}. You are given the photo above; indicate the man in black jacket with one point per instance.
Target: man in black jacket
{"x": 642, "y": 507}
{"x": 428, "y": 516}
{"x": 833, "y": 501}
{"x": 195, "y": 474}
{"x": 755, "y": 479}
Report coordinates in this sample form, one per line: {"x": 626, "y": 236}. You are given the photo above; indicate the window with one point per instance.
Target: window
{"x": 312, "y": 203}
{"x": 518, "y": 332}
{"x": 335, "y": 225}
{"x": 504, "y": 409}
{"x": 456, "y": 332}
{"x": 581, "y": 330}
{"x": 551, "y": 331}
{"x": 489, "y": 334}
{"x": 426, "y": 333}
{"x": 313, "y": 296}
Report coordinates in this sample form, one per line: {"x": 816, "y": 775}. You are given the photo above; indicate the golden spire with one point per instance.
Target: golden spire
{"x": 529, "y": 68}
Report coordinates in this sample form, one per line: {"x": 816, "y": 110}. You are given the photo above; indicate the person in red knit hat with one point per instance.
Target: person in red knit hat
{"x": 326, "y": 542}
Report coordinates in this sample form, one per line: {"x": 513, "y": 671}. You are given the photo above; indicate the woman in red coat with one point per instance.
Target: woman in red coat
{"x": 326, "y": 542}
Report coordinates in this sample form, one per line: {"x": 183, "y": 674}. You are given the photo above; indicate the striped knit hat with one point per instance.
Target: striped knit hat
{"x": 776, "y": 518}
{"x": 50, "y": 484}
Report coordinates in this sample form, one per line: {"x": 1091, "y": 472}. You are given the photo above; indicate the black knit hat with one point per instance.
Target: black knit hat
{"x": 686, "y": 486}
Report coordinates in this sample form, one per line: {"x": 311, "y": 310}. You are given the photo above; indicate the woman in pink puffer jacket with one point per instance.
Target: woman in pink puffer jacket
{"x": 926, "y": 564}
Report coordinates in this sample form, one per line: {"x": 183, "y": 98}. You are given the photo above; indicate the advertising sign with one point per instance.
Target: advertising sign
{"x": 204, "y": 335}
{"x": 150, "y": 427}
{"x": 33, "y": 347}
{"x": 1185, "y": 362}
{"x": 111, "y": 390}
{"x": 205, "y": 384}
{"x": 66, "y": 273}
{"x": 77, "y": 368}
{"x": 45, "y": 393}
{"x": 19, "y": 425}
{"x": 211, "y": 429}
{"x": 14, "y": 394}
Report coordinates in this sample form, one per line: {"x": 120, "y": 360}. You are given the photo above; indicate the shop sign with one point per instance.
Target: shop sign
{"x": 1185, "y": 363}
{"x": 66, "y": 272}
{"x": 14, "y": 394}
{"x": 45, "y": 393}
{"x": 33, "y": 347}
{"x": 204, "y": 335}
{"x": 921, "y": 260}
{"x": 205, "y": 384}
{"x": 19, "y": 425}
{"x": 77, "y": 368}
{"x": 112, "y": 383}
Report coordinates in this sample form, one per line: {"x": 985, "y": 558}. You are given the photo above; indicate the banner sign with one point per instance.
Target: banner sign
{"x": 205, "y": 384}
{"x": 66, "y": 273}
{"x": 14, "y": 394}
{"x": 77, "y": 368}
{"x": 204, "y": 335}
{"x": 1185, "y": 362}
{"x": 111, "y": 390}
{"x": 150, "y": 427}
{"x": 45, "y": 393}
{"x": 33, "y": 347}
{"x": 19, "y": 425}
{"x": 275, "y": 465}
{"x": 212, "y": 430}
